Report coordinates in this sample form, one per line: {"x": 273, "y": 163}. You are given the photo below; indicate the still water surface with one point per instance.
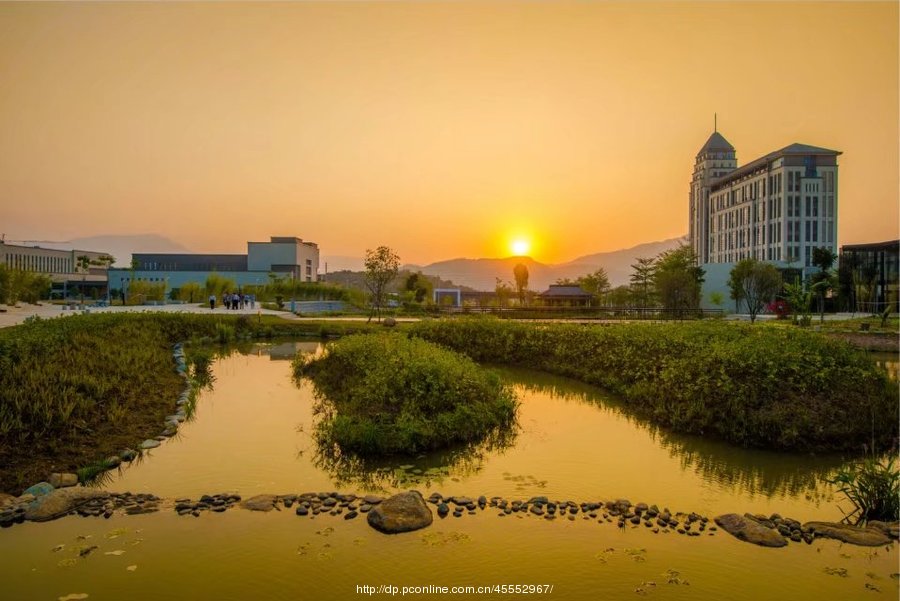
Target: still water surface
{"x": 251, "y": 434}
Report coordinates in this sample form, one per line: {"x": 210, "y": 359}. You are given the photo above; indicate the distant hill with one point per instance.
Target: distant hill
{"x": 341, "y": 263}
{"x": 482, "y": 274}
{"x": 121, "y": 247}
{"x": 618, "y": 263}
{"x": 356, "y": 279}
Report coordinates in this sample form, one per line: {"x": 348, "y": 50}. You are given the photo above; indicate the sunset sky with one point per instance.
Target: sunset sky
{"x": 442, "y": 129}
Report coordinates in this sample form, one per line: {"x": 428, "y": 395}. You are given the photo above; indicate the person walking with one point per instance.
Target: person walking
{"x": 212, "y": 302}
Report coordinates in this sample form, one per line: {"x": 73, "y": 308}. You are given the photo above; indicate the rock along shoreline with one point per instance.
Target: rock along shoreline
{"x": 408, "y": 511}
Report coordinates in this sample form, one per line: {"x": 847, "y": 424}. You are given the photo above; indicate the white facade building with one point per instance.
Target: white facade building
{"x": 285, "y": 255}
{"x": 776, "y": 208}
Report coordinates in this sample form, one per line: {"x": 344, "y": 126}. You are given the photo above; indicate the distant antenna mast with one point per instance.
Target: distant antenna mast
{"x": 715, "y": 123}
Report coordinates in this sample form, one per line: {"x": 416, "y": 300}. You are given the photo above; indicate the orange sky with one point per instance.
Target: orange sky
{"x": 440, "y": 129}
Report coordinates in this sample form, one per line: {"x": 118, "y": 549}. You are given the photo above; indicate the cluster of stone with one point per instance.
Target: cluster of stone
{"x": 776, "y": 531}
{"x": 12, "y": 510}
{"x": 42, "y": 503}
{"x": 305, "y": 504}
{"x": 409, "y": 511}
{"x": 107, "y": 503}
{"x": 620, "y": 511}
{"x": 330, "y": 503}
{"x": 217, "y": 503}
{"x": 174, "y": 421}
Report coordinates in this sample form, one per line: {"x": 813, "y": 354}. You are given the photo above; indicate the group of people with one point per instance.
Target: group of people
{"x": 234, "y": 301}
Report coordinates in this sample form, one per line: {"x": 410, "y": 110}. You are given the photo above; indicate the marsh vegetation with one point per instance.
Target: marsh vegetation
{"x": 775, "y": 388}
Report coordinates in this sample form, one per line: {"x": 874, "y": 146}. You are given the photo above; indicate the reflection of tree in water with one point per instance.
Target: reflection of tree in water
{"x": 381, "y": 474}
{"x": 750, "y": 471}
{"x": 201, "y": 357}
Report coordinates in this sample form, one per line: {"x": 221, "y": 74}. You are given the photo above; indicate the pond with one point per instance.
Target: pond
{"x": 251, "y": 433}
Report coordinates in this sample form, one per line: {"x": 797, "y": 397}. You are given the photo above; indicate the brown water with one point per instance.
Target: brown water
{"x": 251, "y": 434}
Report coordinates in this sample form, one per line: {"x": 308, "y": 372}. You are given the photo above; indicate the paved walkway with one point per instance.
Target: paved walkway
{"x": 16, "y": 315}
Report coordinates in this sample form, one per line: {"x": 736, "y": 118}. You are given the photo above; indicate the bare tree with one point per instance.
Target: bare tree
{"x": 382, "y": 266}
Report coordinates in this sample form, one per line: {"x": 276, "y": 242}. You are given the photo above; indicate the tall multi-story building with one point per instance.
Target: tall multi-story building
{"x": 776, "y": 208}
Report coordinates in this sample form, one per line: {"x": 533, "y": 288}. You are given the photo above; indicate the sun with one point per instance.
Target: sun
{"x": 520, "y": 247}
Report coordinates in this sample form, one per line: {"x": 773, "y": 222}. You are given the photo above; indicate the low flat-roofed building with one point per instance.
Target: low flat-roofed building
{"x": 561, "y": 295}
{"x": 873, "y": 271}
{"x": 62, "y": 266}
{"x": 289, "y": 257}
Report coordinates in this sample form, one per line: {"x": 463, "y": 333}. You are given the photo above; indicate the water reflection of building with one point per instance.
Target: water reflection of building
{"x": 871, "y": 274}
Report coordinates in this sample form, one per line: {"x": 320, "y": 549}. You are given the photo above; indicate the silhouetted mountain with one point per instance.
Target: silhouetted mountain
{"x": 618, "y": 263}
{"x": 357, "y": 279}
{"x": 482, "y": 274}
{"x": 121, "y": 247}
{"x": 341, "y": 263}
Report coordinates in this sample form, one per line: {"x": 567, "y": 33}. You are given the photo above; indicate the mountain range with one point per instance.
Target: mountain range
{"x": 119, "y": 247}
{"x": 482, "y": 274}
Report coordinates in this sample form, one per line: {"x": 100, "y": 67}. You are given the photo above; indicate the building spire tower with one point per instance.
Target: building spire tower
{"x": 716, "y": 159}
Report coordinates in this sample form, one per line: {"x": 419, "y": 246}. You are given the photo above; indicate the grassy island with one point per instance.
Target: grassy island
{"x": 776, "y": 388}
{"x": 386, "y": 394}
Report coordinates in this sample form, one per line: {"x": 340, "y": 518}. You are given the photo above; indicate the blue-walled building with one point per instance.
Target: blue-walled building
{"x": 285, "y": 256}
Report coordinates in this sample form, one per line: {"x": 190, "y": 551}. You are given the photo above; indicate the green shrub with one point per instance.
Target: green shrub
{"x": 141, "y": 291}
{"x": 385, "y": 394}
{"x": 776, "y": 388}
{"x": 224, "y": 332}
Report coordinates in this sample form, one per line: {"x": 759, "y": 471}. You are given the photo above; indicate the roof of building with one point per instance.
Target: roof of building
{"x": 716, "y": 142}
{"x": 889, "y": 245}
{"x": 791, "y": 149}
{"x": 563, "y": 290}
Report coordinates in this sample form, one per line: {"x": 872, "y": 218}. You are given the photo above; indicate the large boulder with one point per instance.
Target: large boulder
{"x": 892, "y": 529}
{"x": 62, "y": 480}
{"x": 867, "y": 537}
{"x": 750, "y": 531}
{"x": 403, "y": 512}
{"x": 260, "y": 503}
{"x": 40, "y": 489}
{"x": 60, "y": 502}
